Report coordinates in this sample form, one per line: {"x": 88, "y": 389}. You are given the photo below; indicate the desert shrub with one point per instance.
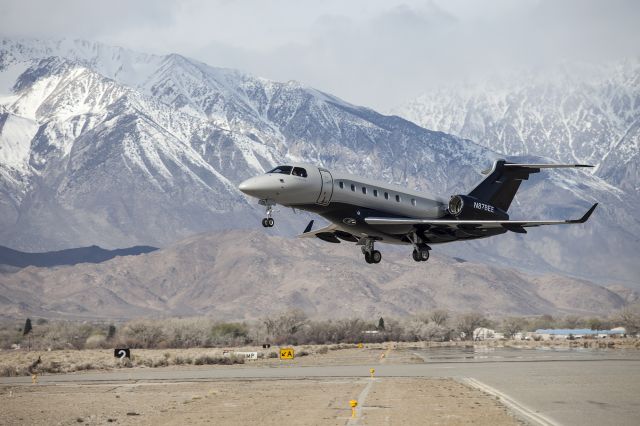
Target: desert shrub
{"x": 10, "y": 371}
{"x": 229, "y": 334}
{"x": 161, "y": 362}
{"x": 303, "y": 353}
{"x": 142, "y": 334}
{"x": 187, "y": 333}
{"x": 181, "y": 360}
{"x": 322, "y": 350}
{"x": 96, "y": 341}
{"x": 222, "y": 360}
{"x": 273, "y": 355}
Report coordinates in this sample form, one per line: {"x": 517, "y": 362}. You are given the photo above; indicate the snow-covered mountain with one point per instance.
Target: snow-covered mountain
{"x": 574, "y": 113}
{"x": 102, "y": 145}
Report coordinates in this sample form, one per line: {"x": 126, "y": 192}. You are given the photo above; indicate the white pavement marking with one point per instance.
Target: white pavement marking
{"x": 361, "y": 400}
{"x": 519, "y": 408}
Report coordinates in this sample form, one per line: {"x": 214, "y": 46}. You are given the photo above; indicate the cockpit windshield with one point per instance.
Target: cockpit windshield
{"x": 283, "y": 170}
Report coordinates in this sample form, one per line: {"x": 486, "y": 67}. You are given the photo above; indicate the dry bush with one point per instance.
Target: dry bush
{"x": 222, "y": 360}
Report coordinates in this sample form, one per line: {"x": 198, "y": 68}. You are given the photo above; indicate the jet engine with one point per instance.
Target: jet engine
{"x": 464, "y": 207}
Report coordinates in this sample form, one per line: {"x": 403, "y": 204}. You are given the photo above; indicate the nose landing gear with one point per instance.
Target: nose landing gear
{"x": 268, "y": 221}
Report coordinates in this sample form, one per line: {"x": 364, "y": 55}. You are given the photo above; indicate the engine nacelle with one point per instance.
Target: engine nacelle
{"x": 464, "y": 207}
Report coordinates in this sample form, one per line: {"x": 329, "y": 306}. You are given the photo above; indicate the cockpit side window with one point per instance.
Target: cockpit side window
{"x": 299, "y": 171}
{"x": 283, "y": 170}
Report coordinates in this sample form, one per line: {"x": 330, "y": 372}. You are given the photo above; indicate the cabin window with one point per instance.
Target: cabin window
{"x": 375, "y": 192}
{"x": 413, "y": 201}
{"x": 283, "y": 170}
{"x": 386, "y": 195}
{"x": 353, "y": 187}
{"x": 299, "y": 171}
{"x": 397, "y": 198}
{"x": 364, "y": 190}
{"x": 341, "y": 185}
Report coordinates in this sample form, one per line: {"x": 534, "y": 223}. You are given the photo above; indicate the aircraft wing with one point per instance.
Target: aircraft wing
{"x": 511, "y": 225}
{"x": 330, "y": 234}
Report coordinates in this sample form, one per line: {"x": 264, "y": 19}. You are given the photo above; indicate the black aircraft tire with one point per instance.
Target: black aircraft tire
{"x": 264, "y": 223}
{"x": 416, "y": 256}
{"x": 376, "y": 256}
{"x": 424, "y": 255}
{"x": 367, "y": 257}
{"x": 270, "y": 222}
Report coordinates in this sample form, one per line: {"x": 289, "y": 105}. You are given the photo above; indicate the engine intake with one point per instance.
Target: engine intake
{"x": 464, "y": 207}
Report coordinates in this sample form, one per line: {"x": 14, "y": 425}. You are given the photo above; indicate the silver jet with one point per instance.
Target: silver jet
{"x": 365, "y": 211}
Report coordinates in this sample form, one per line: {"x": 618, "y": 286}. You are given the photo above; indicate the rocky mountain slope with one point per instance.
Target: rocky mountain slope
{"x": 102, "y": 145}
{"x": 211, "y": 274}
{"x": 575, "y": 113}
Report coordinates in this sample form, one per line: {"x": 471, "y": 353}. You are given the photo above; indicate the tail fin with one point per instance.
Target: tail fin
{"x": 504, "y": 179}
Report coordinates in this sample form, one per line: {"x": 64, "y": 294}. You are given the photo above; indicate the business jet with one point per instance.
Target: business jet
{"x": 366, "y": 212}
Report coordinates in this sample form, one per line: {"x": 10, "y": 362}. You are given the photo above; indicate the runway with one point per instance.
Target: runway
{"x": 549, "y": 387}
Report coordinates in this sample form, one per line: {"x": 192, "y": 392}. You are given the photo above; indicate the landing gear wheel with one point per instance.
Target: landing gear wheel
{"x": 270, "y": 223}
{"x": 376, "y": 256}
{"x": 367, "y": 257}
{"x": 416, "y": 256}
{"x": 264, "y": 223}
{"x": 424, "y": 254}
{"x": 420, "y": 255}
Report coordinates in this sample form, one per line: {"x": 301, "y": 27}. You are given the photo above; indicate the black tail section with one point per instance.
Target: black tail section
{"x": 499, "y": 188}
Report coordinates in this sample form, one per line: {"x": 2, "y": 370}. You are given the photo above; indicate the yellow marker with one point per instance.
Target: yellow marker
{"x": 372, "y": 371}
{"x": 360, "y": 345}
{"x": 287, "y": 353}
{"x": 353, "y": 404}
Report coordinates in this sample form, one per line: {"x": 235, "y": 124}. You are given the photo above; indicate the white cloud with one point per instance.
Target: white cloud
{"x": 371, "y": 52}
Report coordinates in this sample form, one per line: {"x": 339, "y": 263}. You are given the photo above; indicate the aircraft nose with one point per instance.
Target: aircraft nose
{"x": 255, "y": 187}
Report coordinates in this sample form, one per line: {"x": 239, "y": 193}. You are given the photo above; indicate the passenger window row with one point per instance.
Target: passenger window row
{"x": 365, "y": 190}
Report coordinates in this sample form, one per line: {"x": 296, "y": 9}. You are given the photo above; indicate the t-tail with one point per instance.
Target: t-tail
{"x": 492, "y": 197}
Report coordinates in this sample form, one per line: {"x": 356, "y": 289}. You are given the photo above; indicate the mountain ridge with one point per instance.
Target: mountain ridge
{"x": 119, "y": 148}
{"x": 210, "y": 274}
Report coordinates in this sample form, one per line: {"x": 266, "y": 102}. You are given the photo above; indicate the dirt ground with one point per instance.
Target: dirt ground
{"x": 269, "y": 402}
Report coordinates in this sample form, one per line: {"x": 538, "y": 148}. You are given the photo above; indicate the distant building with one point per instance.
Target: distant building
{"x": 483, "y": 333}
{"x": 577, "y": 333}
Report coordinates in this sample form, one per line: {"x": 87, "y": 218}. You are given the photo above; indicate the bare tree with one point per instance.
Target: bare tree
{"x": 467, "y": 323}
{"x": 512, "y": 326}
{"x": 629, "y": 318}
{"x": 439, "y": 317}
{"x": 573, "y": 321}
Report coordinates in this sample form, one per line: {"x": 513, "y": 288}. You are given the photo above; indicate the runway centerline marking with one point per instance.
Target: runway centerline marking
{"x": 516, "y": 406}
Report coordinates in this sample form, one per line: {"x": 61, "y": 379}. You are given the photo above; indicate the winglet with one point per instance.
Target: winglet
{"x": 308, "y": 228}
{"x": 586, "y": 216}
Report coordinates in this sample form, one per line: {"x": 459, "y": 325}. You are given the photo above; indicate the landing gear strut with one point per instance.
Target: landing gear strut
{"x": 420, "y": 249}
{"x": 268, "y": 221}
{"x": 370, "y": 254}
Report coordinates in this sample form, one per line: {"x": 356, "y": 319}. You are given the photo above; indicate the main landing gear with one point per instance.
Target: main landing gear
{"x": 268, "y": 221}
{"x": 370, "y": 254}
{"x": 420, "y": 249}
{"x": 420, "y": 254}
